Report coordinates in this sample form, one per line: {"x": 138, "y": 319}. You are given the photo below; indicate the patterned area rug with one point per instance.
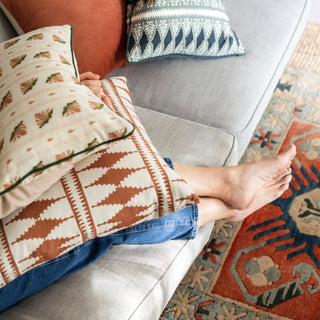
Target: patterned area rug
{"x": 268, "y": 267}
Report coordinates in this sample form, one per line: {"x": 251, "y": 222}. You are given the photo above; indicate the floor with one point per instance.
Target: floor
{"x": 315, "y": 12}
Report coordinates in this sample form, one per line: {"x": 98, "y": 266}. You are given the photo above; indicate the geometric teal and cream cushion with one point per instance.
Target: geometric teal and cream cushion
{"x": 196, "y": 28}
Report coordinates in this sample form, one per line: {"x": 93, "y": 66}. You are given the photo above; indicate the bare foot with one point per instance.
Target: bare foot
{"x": 264, "y": 196}
{"x": 251, "y": 179}
{"x": 212, "y": 209}
{"x": 239, "y": 186}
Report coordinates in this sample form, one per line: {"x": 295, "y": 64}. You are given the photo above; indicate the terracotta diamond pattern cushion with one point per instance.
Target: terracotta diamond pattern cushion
{"x": 121, "y": 186}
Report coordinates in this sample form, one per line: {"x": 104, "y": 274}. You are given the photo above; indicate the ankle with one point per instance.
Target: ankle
{"x": 212, "y": 209}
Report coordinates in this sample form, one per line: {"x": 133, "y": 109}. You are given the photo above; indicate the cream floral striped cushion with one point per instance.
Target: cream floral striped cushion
{"x": 126, "y": 183}
{"x": 48, "y": 119}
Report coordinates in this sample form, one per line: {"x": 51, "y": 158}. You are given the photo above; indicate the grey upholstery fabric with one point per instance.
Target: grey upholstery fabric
{"x": 6, "y": 31}
{"x": 229, "y": 93}
{"x": 130, "y": 282}
{"x": 189, "y": 142}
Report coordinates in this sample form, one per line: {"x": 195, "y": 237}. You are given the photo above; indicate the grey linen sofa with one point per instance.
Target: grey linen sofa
{"x": 198, "y": 112}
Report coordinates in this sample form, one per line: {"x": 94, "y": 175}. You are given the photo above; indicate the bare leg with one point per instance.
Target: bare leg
{"x": 239, "y": 186}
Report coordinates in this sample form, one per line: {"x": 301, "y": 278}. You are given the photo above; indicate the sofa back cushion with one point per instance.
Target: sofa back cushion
{"x": 99, "y": 27}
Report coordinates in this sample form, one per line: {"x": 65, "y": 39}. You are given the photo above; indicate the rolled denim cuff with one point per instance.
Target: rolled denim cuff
{"x": 169, "y": 162}
{"x": 194, "y": 207}
{"x": 196, "y": 219}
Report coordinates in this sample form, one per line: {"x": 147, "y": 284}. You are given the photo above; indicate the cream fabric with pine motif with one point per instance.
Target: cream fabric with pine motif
{"x": 48, "y": 119}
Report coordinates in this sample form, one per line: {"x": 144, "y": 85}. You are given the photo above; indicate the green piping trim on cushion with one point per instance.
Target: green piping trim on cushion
{"x": 73, "y": 57}
{"x": 90, "y": 149}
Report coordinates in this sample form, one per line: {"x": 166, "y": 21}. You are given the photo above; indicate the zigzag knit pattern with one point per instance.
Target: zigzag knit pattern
{"x": 118, "y": 187}
{"x": 198, "y": 28}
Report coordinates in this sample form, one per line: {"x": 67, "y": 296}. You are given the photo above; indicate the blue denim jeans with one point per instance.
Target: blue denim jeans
{"x": 178, "y": 225}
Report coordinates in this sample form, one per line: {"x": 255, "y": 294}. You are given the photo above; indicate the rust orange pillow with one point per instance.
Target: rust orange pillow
{"x": 99, "y": 27}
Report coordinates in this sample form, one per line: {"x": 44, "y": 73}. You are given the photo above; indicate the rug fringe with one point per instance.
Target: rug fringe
{"x": 307, "y": 53}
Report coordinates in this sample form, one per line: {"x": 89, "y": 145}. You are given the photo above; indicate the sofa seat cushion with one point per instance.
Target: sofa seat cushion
{"x": 129, "y": 282}
{"x": 229, "y": 93}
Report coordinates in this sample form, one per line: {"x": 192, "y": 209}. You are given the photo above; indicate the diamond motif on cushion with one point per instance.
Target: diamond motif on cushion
{"x": 143, "y": 42}
{"x": 211, "y": 40}
{"x": 189, "y": 38}
{"x": 200, "y": 38}
{"x": 222, "y": 40}
{"x": 179, "y": 38}
{"x": 167, "y": 39}
{"x": 156, "y": 40}
{"x": 230, "y": 42}
{"x": 131, "y": 43}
